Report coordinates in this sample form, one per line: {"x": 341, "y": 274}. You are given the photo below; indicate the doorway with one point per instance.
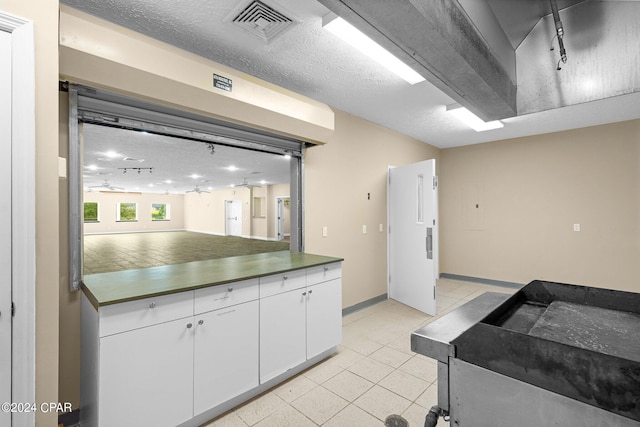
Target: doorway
{"x": 413, "y": 235}
{"x": 5, "y": 225}
{"x": 283, "y": 218}
{"x": 17, "y": 212}
{"x": 233, "y": 215}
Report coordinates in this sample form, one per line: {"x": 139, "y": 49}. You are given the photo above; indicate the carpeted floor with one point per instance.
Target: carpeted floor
{"x": 115, "y": 252}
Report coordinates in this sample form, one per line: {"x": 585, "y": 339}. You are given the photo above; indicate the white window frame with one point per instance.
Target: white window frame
{"x": 167, "y": 211}
{"x": 97, "y": 213}
{"x": 118, "y": 211}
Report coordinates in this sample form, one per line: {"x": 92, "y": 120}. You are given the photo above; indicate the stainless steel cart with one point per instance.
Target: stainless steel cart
{"x": 552, "y": 354}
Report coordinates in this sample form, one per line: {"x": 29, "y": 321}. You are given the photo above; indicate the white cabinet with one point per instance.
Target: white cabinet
{"x": 298, "y": 324}
{"x": 225, "y": 355}
{"x": 324, "y": 316}
{"x": 185, "y": 357}
{"x": 146, "y": 376}
{"x": 282, "y": 333}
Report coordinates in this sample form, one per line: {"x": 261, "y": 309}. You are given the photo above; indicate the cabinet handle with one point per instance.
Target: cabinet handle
{"x": 226, "y": 312}
{"x": 304, "y": 293}
{"x": 189, "y": 325}
{"x": 152, "y": 305}
{"x": 230, "y": 290}
{"x": 326, "y": 269}
{"x": 200, "y": 322}
{"x": 285, "y": 277}
{"x": 310, "y": 292}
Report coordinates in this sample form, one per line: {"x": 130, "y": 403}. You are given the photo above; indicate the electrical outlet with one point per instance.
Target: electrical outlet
{"x": 381, "y": 228}
{"x": 364, "y": 229}
{"x": 325, "y": 231}
{"x": 576, "y": 227}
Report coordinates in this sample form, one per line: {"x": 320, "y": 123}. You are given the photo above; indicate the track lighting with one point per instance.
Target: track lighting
{"x": 124, "y": 170}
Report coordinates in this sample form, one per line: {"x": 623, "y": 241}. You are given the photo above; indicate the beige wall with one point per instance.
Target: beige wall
{"x": 107, "y": 205}
{"x": 338, "y": 177}
{"x": 205, "y": 212}
{"x": 530, "y": 192}
{"x": 101, "y": 54}
{"x": 44, "y": 15}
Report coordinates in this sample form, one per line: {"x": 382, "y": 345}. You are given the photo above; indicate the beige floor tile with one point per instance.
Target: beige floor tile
{"x": 352, "y": 416}
{"x": 421, "y": 367}
{"x": 390, "y": 356}
{"x": 322, "y": 372}
{"x": 361, "y": 345}
{"x": 415, "y": 415}
{"x": 403, "y": 342}
{"x": 345, "y": 357}
{"x": 348, "y": 385}
{"x": 285, "y": 417}
{"x": 319, "y": 404}
{"x": 442, "y": 303}
{"x": 429, "y": 397}
{"x": 260, "y": 408}
{"x": 229, "y": 420}
{"x": 371, "y": 370}
{"x": 294, "y": 388}
{"x": 381, "y": 403}
{"x": 404, "y": 384}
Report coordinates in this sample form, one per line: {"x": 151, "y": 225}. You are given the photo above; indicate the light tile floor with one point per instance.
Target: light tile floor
{"x": 374, "y": 374}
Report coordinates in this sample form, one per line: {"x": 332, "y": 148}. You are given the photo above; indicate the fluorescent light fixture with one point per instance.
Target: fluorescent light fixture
{"x": 471, "y": 120}
{"x": 364, "y": 44}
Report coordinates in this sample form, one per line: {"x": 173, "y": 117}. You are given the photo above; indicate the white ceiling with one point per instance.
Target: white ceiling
{"x": 171, "y": 165}
{"x": 309, "y": 60}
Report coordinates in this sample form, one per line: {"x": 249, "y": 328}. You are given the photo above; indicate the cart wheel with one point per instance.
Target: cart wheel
{"x": 432, "y": 417}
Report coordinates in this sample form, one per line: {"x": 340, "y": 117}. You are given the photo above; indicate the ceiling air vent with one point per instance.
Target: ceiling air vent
{"x": 262, "y": 20}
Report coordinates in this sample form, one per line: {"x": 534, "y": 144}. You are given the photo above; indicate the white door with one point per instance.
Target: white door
{"x": 413, "y": 237}
{"x": 283, "y": 217}
{"x": 233, "y": 215}
{"x": 5, "y": 224}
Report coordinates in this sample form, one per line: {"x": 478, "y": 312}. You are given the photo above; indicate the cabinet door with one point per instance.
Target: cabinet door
{"x": 146, "y": 376}
{"x": 324, "y": 316}
{"x": 225, "y": 355}
{"x": 282, "y": 333}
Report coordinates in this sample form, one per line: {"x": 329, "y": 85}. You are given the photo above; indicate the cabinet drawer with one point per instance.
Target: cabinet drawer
{"x": 136, "y": 314}
{"x": 220, "y": 296}
{"x": 278, "y": 283}
{"x": 323, "y": 273}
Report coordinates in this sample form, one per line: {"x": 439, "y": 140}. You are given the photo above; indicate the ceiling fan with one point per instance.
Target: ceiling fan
{"x": 245, "y": 183}
{"x": 106, "y": 186}
{"x": 197, "y": 190}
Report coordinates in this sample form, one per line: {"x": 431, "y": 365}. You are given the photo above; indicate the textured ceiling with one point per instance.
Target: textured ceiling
{"x": 310, "y": 61}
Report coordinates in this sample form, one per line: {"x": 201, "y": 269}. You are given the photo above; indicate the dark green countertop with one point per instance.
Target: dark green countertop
{"x": 127, "y": 285}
